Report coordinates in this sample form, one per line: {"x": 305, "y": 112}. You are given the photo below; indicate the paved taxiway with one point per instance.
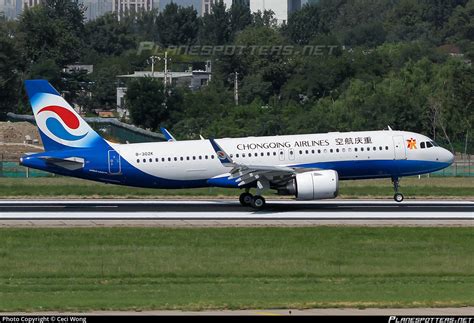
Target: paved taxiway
{"x": 230, "y": 213}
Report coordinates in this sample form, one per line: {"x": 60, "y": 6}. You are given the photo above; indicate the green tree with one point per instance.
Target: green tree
{"x": 109, "y": 36}
{"x": 240, "y": 17}
{"x": 216, "y": 28}
{"x": 9, "y": 78}
{"x": 177, "y": 25}
{"x": 53, "y": 30}
{"x": 305, "y": 24}
{"x": 150, "y": 105}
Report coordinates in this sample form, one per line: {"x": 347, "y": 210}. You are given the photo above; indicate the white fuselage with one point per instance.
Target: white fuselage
{"x": 196, "y": 160}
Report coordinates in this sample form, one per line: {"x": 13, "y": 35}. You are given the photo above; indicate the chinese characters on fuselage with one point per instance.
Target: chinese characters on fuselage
{"x": 306, "y": 143}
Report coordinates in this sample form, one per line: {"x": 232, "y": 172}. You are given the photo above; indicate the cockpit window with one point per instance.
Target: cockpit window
{"x": 429, "y": 144}
{"x": 422, "y": 145}
{"x": 434, "y": 144}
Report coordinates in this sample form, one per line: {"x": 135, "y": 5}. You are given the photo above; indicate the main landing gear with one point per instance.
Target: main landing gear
{"x": 255, "y": 201}
{"x": 398, "y": 197}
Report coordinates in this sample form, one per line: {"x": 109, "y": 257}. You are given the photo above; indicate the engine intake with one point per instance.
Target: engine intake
{"x": 316, "y": 185}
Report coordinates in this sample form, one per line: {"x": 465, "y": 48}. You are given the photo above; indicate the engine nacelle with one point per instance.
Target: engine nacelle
{"x": 316, "y": 185}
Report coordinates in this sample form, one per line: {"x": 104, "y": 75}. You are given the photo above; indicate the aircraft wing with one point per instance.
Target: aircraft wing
{"x": 247, "y": 174}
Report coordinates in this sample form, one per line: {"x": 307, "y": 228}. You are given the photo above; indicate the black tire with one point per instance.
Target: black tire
{"x": 398, "y": 197}
{"x": 258, "y": 202}
{"x": 246, "y": 199}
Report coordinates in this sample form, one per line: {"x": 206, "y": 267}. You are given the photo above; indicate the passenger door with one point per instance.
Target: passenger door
{"x": 399, "y": 148}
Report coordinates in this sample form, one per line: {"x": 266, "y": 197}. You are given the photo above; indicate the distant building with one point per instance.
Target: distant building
{"x": 30, "y": 3}
{"x": 206, "y": 5}
{"x": 193, "y": 79}
{"x": 124, "y": 7}
{"x": 96, "y": 8}
{"x": 78, "y": 68}
{"x": 282, "y": 8}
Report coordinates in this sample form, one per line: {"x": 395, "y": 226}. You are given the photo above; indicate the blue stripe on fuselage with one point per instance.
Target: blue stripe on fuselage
{"x": 96, "y": 168}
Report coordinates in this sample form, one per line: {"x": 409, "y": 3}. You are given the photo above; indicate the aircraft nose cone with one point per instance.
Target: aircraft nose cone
{"x": 448, "y": 157}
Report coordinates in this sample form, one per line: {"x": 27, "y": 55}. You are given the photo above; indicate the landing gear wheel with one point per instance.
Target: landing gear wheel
{"x": 258, "y": 202}
{"x": 246, "y": 199}
{"x": 398, "y": 197}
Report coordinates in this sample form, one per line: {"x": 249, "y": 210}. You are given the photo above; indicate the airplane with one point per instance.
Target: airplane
{"x": 308, "y": 167}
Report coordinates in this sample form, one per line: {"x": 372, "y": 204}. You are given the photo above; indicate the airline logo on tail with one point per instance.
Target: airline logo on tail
{"x": 60, "y": 126}
{"x": 67, "y": 117}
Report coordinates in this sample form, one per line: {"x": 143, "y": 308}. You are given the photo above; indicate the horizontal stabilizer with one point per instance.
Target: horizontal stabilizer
{"x": 70, "y": 163}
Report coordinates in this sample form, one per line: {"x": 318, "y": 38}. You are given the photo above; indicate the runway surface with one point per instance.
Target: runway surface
{"x": 230, "y": 213}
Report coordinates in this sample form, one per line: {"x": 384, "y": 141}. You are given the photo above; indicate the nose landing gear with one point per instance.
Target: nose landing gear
{"x": 398, "y": 197}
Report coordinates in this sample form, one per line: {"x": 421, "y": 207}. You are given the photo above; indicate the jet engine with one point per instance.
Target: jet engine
{"x": 315, "y": 185}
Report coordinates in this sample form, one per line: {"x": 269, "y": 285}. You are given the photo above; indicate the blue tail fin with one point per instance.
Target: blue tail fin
{"x": 60, "y": 126}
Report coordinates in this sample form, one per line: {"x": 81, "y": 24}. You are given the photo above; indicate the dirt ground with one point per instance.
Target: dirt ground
{"x": 18, "y": 138}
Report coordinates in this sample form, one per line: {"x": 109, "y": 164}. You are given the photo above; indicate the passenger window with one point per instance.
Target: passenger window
{"x": 187, "y": 158}
{"x": 138, "y": 161}
{"x": 268, "y": 153}
{"x": 157, "y": 160}
{"x": 380, "y": 148}
{"x": 307, "y": 152}
{"x": 262, "y": 154}
{"x": 374, "y": 149}
{"x": 319, "y": 151}
{"x": 355, "y": 149}
{"x": 331, "y": 150}
{"x": 194, "y": 157}
{"x": 386, "y": 147}
{"x": 343, "y": 150}
{"x": 200, "y": 157}
{"x": 182, "y": 158}
{"x": 337, "y": 150}
{"x": 325, "y": 151}
{"x": 361, "y": 148}
{"x": 312, "y": 151}
{"x": 176, "y": 159}
{"x": 169, "y": 159}
{"x": 144, "y": 160}
{"x": 301, "y": 152}
{"x": 422, "y": 145}
{"x": 237, "y": 155}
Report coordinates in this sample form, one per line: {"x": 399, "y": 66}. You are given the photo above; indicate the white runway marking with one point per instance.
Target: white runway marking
{"x": 231, "y": 210}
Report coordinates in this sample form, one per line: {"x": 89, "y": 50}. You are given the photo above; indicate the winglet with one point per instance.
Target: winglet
{"x": 221, "y": 154}
{"x": 167, "y": 134}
